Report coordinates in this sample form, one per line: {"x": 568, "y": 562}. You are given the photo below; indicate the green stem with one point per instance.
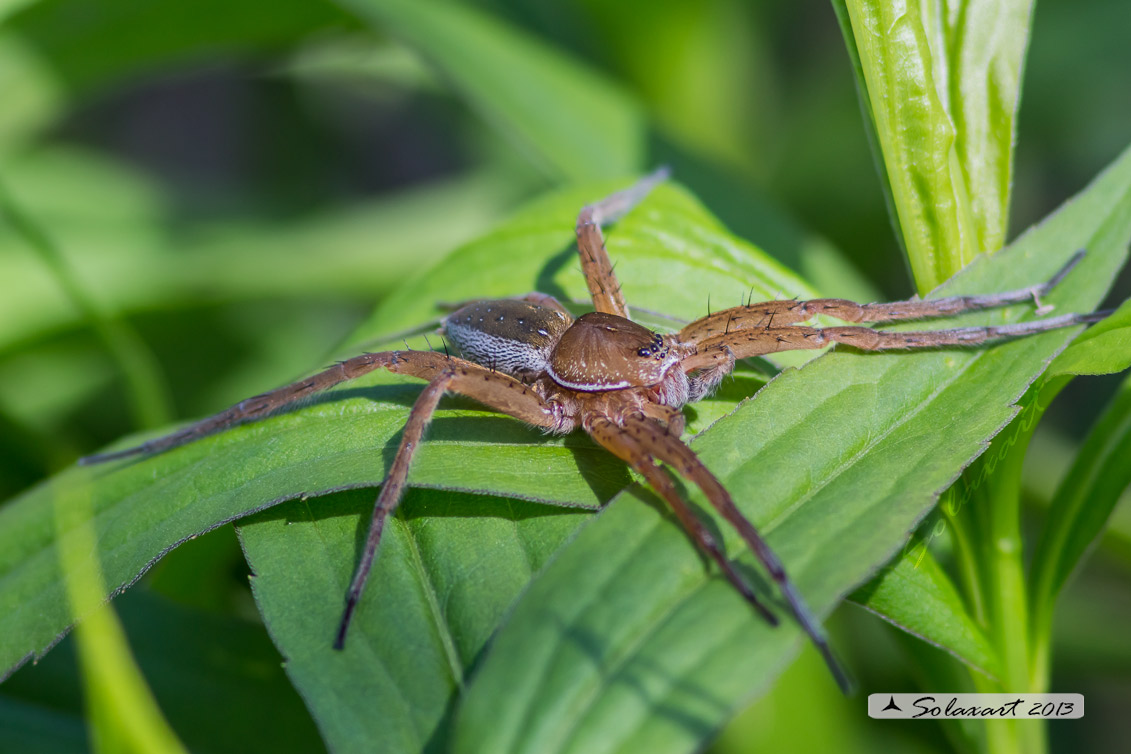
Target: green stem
{"x": 1004, "y": 580}
{"x": 956, "y": 499}
{"x": 148, "y": 397}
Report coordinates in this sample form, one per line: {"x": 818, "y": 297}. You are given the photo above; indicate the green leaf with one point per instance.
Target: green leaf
{"x": 626, "y": 643}
{"x": 941, "y": 84}
{"x": 1104, "y": 348}
{"x": 1080, "y": 509}
{"x": 91, "y": 44}
{"x": 145, "y": 507}
{"x": 186, "y": 656}
{"x": 916, "y": 595}
{"x": 672, "y": 257}
{"x": 110, "y": 226}
{"x": 450, "y": 566}
{"x": 421, "y": 600}
{"x": 574, "y": 122}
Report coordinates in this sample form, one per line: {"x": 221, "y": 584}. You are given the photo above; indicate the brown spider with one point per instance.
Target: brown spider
{"x": 620, "y": 382}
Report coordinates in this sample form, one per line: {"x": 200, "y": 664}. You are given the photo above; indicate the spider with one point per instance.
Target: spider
{"x": 621, "y": 383}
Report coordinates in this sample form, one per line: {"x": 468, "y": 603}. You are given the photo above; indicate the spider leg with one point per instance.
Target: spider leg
{"x": 499, "y": 391}
{"x": 683, "y": 460}
{"x": 629, "y": 449}
{"x": 256, "y": 407}
{"x": 392, "y": 489}
{"x": 595, "y": 264}
{"x": 744, "y": 344}
{"x": 780, "y": 313}
{"x": 672, "y": 418}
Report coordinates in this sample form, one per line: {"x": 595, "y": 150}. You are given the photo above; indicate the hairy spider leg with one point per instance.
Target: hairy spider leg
{"x": 392, "y": 489}
{"x": 493, "y": 389}
{"x": 679, "y": 456}
{"x": 779, "y": 313}
{"x": 254, "y": 408}
{"x": 595, "y": 264}
{"x": 499, "y": 391}
{"x": 744, "y": 344}
{"x": 628, "y": 448}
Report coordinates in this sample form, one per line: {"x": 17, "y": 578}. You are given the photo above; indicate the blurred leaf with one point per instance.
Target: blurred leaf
{"x": 704, "y": 69}
{"x": 146, "y": 390}
{"x": 31, "y": 95}
{"x": 111, "y": 679}
{"x": 187, "y": 656}
{"x": 1081, "y": 507}
{"x": 1104, "y": 348}
{"x": 93, "y": 44}
{"x": 572, "y": 121}
{"x": 111, "y": 229}
{"x": 33, "y": 729}
{"x": 357, "y": 59}
{"x": 625, "y": 643}
{"x": 916, "y": 595}
{"x": 942, "y": 86}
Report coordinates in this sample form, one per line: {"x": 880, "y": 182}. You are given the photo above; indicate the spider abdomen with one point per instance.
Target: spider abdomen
{"x": 512, "y": 336}
{"x": 605, "y": 352}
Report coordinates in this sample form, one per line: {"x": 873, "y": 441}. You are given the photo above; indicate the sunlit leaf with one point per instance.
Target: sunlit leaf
{"x": 1104, "y": 348}
{"x": 626, "y": 643}
{"x": 941, "y": 84}
{"x": 346, "y": 439}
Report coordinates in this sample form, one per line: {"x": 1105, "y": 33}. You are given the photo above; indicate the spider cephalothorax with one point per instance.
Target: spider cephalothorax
{"x": 621, "y": 383}
{"x": 600, "y": 364}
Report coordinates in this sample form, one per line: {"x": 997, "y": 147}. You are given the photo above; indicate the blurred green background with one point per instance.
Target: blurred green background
{"x": 241, "y": 186}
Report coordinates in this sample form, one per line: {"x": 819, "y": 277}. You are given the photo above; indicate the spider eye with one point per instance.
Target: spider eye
{"x": 644, "y": 352}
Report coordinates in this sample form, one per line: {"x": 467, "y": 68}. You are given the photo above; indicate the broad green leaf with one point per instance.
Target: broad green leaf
{"x": 346, "y": 439}
{"x": 450, "y": 566}
{"x": 1081, "y": 507}
{"x": 469, "y": 563}
{"x": 144, "y": 508}
{"x": 572, "y": 121}
{"x": 941, "y": 84}
{"x": 626, "y": 643}
{"x": 1104, "y": 348}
